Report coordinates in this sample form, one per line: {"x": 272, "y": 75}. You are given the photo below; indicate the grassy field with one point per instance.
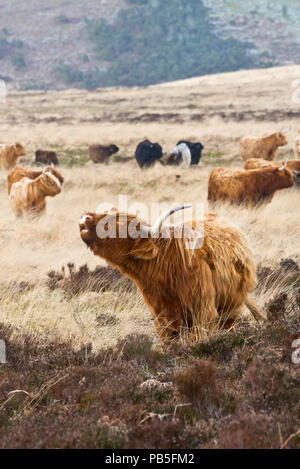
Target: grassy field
{"x": 80, "y": 356}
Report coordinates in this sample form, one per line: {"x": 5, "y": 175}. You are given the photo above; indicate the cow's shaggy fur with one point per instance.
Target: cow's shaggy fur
{"x": 9, "y": 155}
{"x": 19, "y": 173}
{"x": 255, "y": 163}
{"x": 249, "y": 187}
{"x": 180, "y": 155}
{"x": 28, "y": 197}
{"x": 186, "y": 290}
{"x": 147, "y": 153}
{"x": 262, "y": 147}
{"x": 102, "y": 153}
{"x": 46, "y": 157}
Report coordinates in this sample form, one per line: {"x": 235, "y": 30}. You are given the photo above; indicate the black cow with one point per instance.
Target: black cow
{"x": 147, "y": 153}
{"x": 196, "y": 150}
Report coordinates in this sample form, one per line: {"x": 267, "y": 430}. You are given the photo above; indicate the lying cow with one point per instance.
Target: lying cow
{"x": 147, "y": 153}
{"x": 102, "y": 153}
{"x": 180, "y": 156}
{"x": 249, "y": 187}
{"x": 9, "y": 155}
{"x": 185, "y": 290}
{"x": 28, "y": 197}
{"x": 195, "y": 149}
{"x": 46, "y": 157}
{"x": 264, "y": 147}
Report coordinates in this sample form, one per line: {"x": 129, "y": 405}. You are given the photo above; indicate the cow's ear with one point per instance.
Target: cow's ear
{"x": 145, "y": 249}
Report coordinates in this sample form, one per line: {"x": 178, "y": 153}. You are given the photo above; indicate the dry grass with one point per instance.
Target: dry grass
{"x": 30, "y": 249}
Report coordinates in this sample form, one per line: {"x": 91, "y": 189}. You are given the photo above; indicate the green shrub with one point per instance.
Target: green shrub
{"x": 66, "y": 73}
{"x": 62, "y": 19}
{"x": 154, "y": 42}
{"x": 18, "y": 60}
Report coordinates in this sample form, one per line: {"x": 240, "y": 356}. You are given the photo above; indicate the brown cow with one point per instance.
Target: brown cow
{"x": 255, "y": 163}
{"x": 27, "y": 197}
{"x": 185, "y": 290}
{"x": 46, "y": 157}
{"x": 19, "y": 173}
{"x": 102, "y": 153}
{"x": 262, "y": 147}
{"x": 249, "y": 187}
{"x": 9, "y": 155}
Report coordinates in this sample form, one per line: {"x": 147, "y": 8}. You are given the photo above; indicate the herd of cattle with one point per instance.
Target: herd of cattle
{"x": 254, "y": 185}
{"x": 186, "y": 290}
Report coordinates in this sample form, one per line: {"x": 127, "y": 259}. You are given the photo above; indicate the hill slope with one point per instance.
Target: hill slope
{"x": 44, "y": 47}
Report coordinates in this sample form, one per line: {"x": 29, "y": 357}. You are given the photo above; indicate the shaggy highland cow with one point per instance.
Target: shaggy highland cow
{"x": 101, "y": 153}
{"x": 9, "y": 155}
{"x": 180, "y": 156}
{"x": 185, "y": 289}
{"x": 195, "y": 149}
{"x": 262, "y": 147}
{"x": 147, "y": 153}
{"x": 249, "y": 187}
{"x": 46, "y": 157}
{"x": 28, "y": 197}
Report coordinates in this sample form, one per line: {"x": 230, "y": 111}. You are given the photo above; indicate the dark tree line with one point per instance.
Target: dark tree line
{"x": 156, "y": 41}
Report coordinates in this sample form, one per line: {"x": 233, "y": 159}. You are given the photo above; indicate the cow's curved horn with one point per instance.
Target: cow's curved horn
{"x": 154, "y": 230}
{"x": 283, "y": 166}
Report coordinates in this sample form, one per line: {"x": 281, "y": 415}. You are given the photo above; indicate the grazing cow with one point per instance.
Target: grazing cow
{"x": 185, "y": 289}
{"x": 196, "y": 150}
{"x": 297, "y": 147}
{"x": 147, "y": 153}
{"x": 9, "y": 155}
{"x": 264, "y": 147}
{"x": 180, "y": 155}
{"x": 249, "y": 187}
{"x": 27, "y": 197}
{"x": 19, "y": 173}
{"x": 102, "y": 153}
{"x": 46, "y": 157}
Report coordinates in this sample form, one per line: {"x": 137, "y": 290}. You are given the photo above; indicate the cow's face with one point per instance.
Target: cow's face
{"x": 156, "y": 150}
{"x": 57, "y": 174}
{"x": 20, "y": 150}
{"x": 113, "y": 149}
{"x": 281, "y": 139}
{"x": 114, "y": 236}
{"x": 296, "y": 175}
{"x": 50, "y": 182}
{"x": 286, "y": 177}
{"x": 197, "y": 147}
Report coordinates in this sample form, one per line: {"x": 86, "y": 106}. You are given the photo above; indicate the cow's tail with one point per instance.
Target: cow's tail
{"x": 254, "y": 309}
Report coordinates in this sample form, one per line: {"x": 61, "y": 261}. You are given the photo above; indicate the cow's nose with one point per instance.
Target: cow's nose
{"x": 84, "y": 220}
